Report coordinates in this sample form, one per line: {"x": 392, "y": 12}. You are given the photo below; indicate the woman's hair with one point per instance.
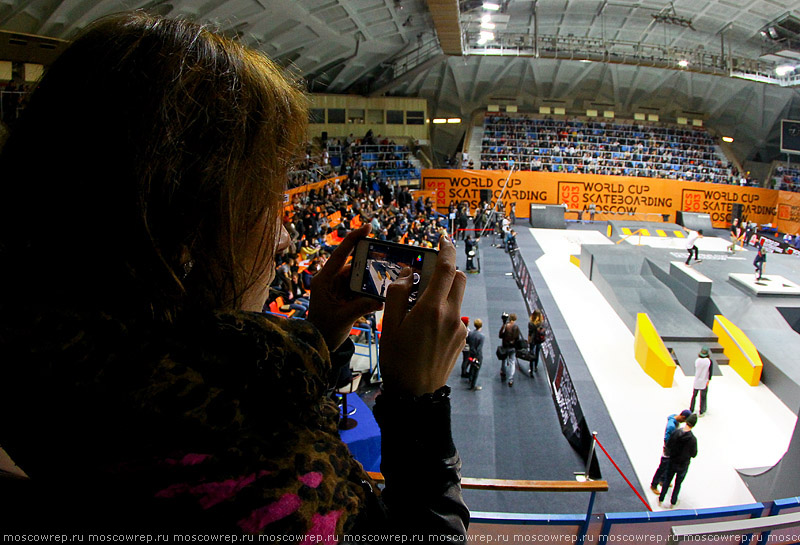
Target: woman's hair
{"x": 537, "y": 317}
{"x": 148, "y": 143}
{"x": 512, "y": 317}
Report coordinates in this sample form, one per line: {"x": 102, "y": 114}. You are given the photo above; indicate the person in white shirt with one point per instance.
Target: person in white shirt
{"x": 702, "y": 376}
{"x": 690, "y": 243}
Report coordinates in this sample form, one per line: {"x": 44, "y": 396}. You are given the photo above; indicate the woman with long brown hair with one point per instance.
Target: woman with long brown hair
{"x": 536, "y": 336}
{"x": 142, "y": 388}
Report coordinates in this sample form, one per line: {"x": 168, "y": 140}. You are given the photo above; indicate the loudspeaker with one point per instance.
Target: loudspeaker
{"x": 486, "y": 195}
{"x": 737, "y": 211}
{"x": 324, "y": 136}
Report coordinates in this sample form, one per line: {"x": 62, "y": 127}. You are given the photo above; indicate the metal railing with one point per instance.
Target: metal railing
{"x": 625, "y": 52}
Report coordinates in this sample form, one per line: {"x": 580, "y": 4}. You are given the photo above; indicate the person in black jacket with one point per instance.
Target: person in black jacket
{"x": 536, "y": 337}
{"x": 471, "y": 248}
{"x": 681, "y": 448}
{"x": 475, "y": 343}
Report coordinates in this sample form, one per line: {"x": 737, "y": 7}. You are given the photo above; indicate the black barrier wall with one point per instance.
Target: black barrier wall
{"x": 573, "y": 423}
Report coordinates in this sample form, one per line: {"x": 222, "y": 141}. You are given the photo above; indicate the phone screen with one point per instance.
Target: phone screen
{"x": 383, "y": 266}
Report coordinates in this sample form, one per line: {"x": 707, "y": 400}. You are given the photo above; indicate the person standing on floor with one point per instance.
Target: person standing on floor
{"x": 702, "y": 376}
{"x": 736, "y": 235}
{"x": 509, "y": 333}
{"x": 465, "y": 352}
{"x": 690, "y": 243}
{"x": 681, "y": 448}
{"x": 475, "y": 343}
{"x": 536, "y": 336}
{"x": 673, "y": 421}
{"x": 471, "y": 249}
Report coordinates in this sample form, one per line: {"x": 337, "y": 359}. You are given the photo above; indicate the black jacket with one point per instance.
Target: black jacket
{"x": 212, "y": 424}
{"x": 681, "y": 447}
{"x": 475, "y": 343}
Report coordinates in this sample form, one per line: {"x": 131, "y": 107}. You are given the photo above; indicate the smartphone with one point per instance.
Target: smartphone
{"x": 376, "y": 264}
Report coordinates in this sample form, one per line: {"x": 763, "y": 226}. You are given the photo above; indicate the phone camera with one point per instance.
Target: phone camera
{"x": 416, "y": 278}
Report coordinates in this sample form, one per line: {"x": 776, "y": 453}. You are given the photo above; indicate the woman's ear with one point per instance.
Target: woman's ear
{"x": 187, "y": 263}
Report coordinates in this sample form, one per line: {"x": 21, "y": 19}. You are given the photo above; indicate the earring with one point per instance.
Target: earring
{"x": 187, "y": 268}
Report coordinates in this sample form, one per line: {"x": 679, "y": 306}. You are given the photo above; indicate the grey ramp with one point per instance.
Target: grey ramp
{"x": 763, "y": 320}
{"x": 547, "y": 216}
{"x": 693, "y": 291}
{"x": 792, "y": 317}
{"x": 696, "y": 221}
{"x": 780, "y": 481}
{"x": 625, "y": 277}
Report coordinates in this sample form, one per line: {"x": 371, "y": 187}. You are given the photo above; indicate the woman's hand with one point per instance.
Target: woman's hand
{"x": 334, "y": 307}
{"x": 419, "y": 347}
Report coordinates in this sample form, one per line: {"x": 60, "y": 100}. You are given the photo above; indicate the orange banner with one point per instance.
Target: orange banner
{"x": 611, "y": 195}
{"x": 315, "y": 185}
{"x": 789, "y": 212}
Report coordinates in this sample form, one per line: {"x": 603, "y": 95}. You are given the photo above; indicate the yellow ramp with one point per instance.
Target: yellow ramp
{"x": 744, "y": 358}
{"x": 661, "y": 233}
{"x": 679, "y": 234}
{"x": 575, "y": 260}
{"x": 626, "y": 231}
{"x": 651, "y": 353}
{"x": 644, "y": 232}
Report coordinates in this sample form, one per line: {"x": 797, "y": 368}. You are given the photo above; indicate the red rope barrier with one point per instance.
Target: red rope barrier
{"x": 621, "y": 473}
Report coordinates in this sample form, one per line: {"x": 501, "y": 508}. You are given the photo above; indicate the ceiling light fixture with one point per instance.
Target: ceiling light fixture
{"x": 490, "y": 26}
{"x": 727, "y": 139}
{"x": 439, "y": 120}
{"x": 487, "y": 17}
{"x": 486, "y": 35}
{"x": 784, "y": 69}
{"x": 683, "y": 63}
{"x": 454, "y": 120}
{"x": 491, "y": 6}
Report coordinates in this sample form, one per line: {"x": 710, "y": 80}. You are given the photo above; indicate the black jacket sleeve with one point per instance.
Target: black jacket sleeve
{"x": 421, "y": 465}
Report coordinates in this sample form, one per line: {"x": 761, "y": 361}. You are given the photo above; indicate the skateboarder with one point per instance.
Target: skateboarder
{"x": 758, "y": 262}
{"x": 690, "y": 243}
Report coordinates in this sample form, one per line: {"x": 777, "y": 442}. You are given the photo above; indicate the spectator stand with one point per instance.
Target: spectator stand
{"x": 385, "y": 160}
{"x": 577, "y": 146}
{"x": 785, "y": 176}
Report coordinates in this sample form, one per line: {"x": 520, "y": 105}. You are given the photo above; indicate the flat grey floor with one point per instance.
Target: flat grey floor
{"x": 514, "y": 433}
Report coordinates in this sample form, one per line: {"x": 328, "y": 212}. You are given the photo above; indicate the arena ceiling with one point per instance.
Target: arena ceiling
{"x": 579, "y": 54}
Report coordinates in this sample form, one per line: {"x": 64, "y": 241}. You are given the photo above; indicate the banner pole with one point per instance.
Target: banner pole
{"x": 500, "y": 198}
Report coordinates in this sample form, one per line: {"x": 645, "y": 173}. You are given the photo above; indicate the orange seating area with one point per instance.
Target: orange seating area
{"x": 275, "y": 308}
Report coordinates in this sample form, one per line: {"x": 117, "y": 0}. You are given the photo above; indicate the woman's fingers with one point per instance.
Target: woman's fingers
{"x": 397, "y": 300}
{"x": 339, "y": 256}
{"x": 443, "y": 273}
{"x": 457, "y": 289}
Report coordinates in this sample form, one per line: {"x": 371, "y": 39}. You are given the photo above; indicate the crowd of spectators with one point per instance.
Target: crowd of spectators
{"x": 597, "y": 147}
{"x": 787, "y": 178}
{"x": 313, "y": 168}
{"x": 380, "y": 156}
{"x": 318, "y": 220}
